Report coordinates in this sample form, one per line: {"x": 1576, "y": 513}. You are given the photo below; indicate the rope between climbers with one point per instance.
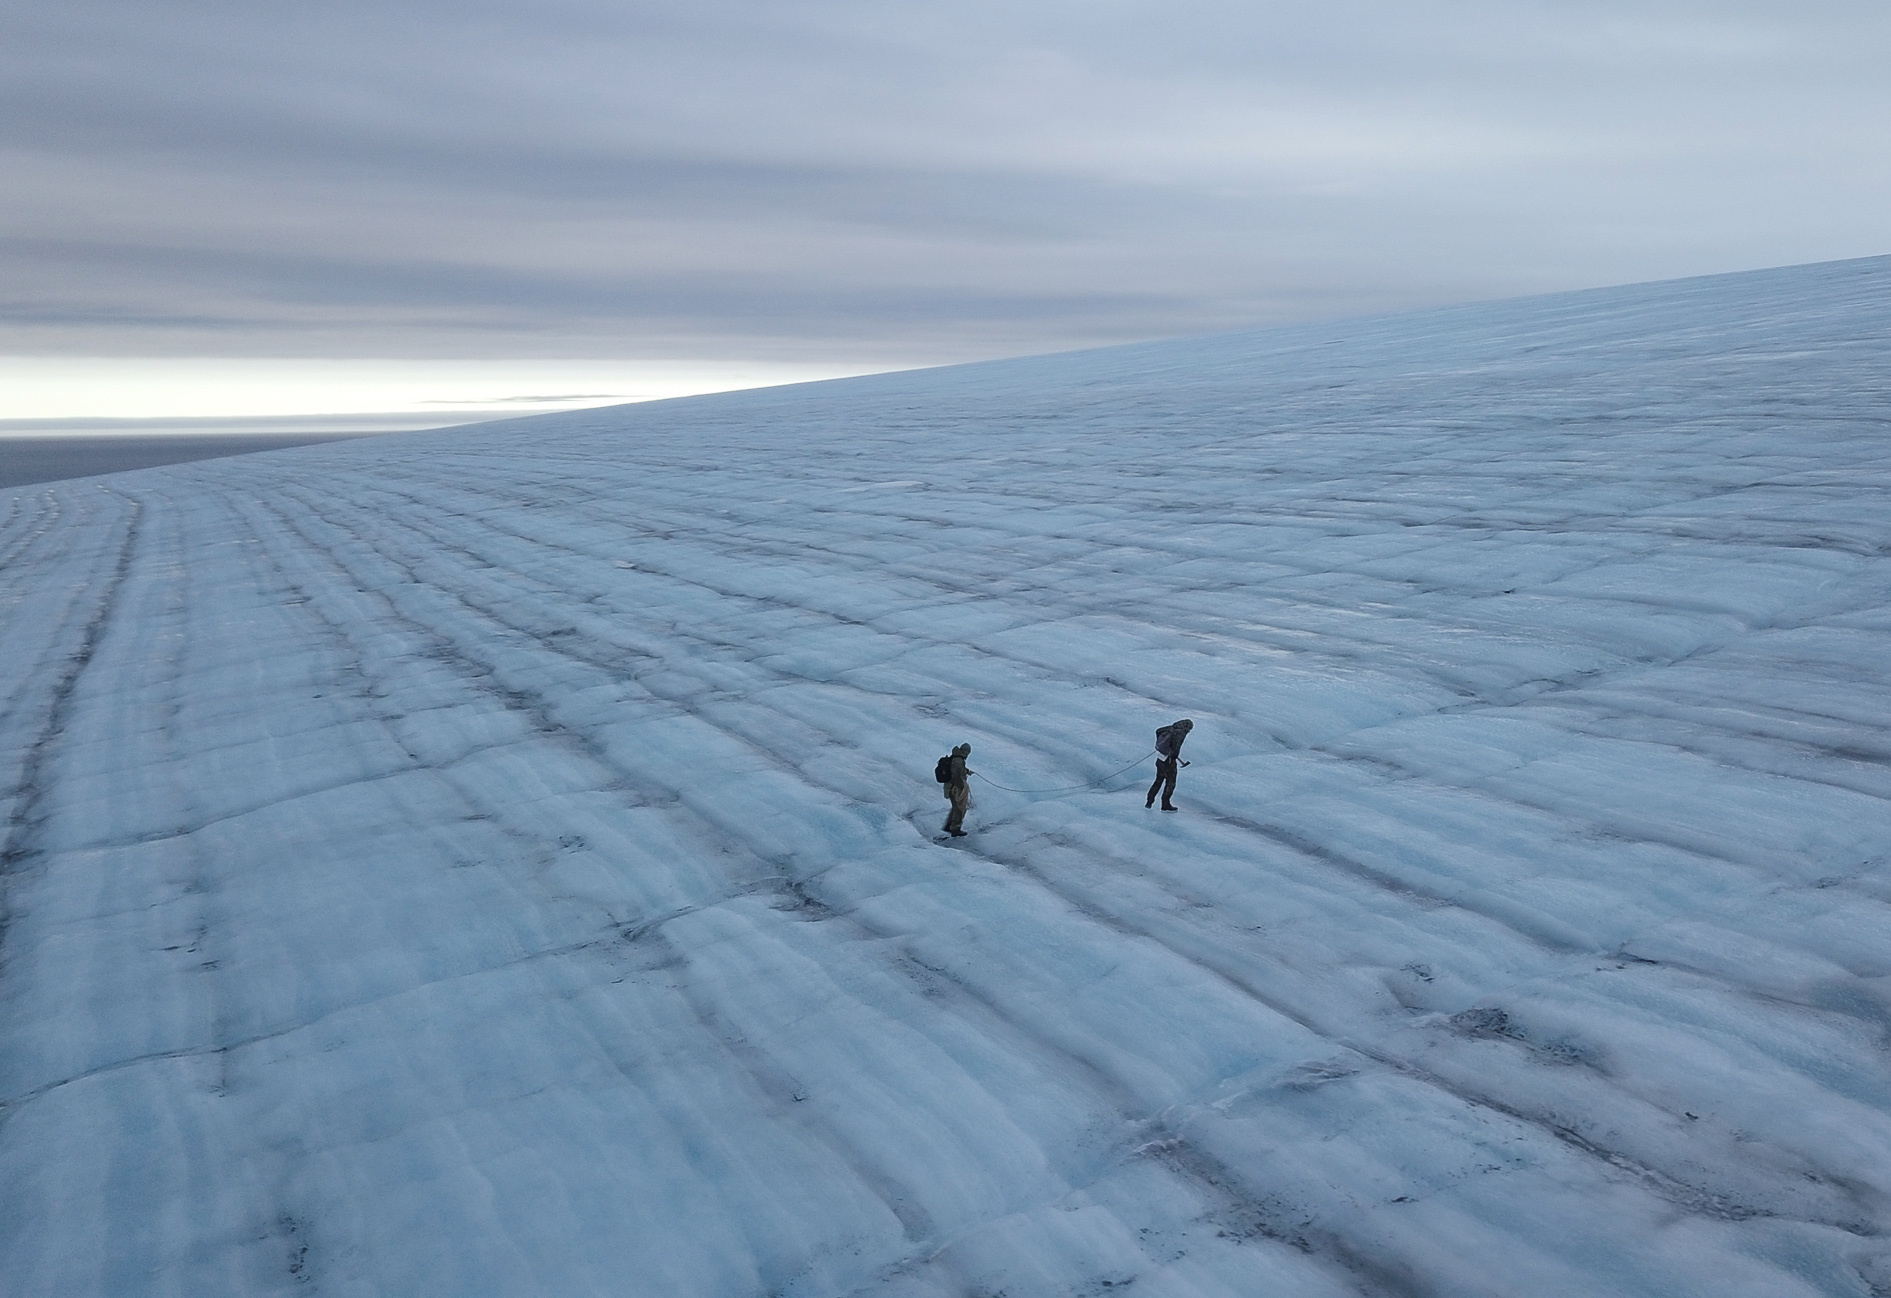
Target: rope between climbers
{"x": 1070, "y": 787}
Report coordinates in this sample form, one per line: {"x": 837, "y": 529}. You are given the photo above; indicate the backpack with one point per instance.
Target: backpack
{"x": 942, "y": 770}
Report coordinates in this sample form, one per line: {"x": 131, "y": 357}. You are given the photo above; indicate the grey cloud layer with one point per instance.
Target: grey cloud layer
{"x": 908, "y": 182}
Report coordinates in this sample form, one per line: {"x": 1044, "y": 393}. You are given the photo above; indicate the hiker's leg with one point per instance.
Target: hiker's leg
{"x": 955, "y": 822}
{"x": 1165, "y": 774}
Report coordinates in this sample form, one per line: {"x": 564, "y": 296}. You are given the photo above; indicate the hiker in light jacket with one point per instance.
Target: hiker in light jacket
{"x": 1168, "y": 758}
{"x": 957, "y": 791}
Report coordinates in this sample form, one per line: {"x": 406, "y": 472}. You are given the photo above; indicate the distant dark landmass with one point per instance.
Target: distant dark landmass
{"x": 25, "y": 460}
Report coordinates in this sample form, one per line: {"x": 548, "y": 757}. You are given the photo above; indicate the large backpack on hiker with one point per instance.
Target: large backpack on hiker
{"x": 942, "y": 770}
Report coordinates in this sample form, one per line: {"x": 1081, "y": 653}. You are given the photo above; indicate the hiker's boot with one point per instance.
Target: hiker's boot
{"x": 1170, "y": 806}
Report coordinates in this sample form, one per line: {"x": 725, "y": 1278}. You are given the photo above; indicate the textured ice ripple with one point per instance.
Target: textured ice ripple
{"x": 502, "y": 861}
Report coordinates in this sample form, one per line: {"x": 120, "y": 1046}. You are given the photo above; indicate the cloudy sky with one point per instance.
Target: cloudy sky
{"x": 778, "y": 187}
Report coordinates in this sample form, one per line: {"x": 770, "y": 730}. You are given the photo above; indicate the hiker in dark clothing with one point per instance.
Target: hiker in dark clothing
{"x": 957, "y": 790}
{"x": 1168, "y": 758}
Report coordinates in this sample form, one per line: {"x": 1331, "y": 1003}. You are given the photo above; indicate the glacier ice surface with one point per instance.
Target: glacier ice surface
{"x": 503, "y": 861}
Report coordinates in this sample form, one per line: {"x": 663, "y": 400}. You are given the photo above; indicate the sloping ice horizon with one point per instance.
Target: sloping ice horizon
{"x": 506, "y": 860}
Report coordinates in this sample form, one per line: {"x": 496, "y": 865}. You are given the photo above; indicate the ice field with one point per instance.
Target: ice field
{"x": 503, "y": 861}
